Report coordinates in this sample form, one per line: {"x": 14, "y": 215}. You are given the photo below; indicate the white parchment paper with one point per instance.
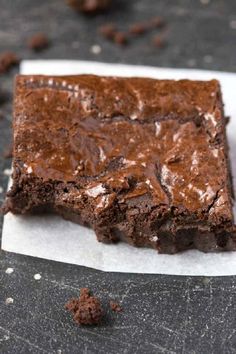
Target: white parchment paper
{"x": 53, "y": 238}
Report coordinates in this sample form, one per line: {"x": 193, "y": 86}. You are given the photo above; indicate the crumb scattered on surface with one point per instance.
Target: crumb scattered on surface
{"x": 7, "y": 60}
{"x": 96, "y": 49}
{"x": 138, "y": 28}
{"x": 37, "y": 277}
{"x": 7, "y": 154}
{"x": 9, "y": 270}
{"x": 232, "y": 24}
{"x": 108, "y": 31}
{"x": 4, "y": 97}
{"x": 7, "y": 172}
{"x": 191, "y": 62}
{"x": 89, "y": 6}
{"x": 9, "y": 301}
{"x": 115, "y": 306}
{"x": 157, "y": 22}
{"x": 159, "y": 41}
{"x": 120, "y": 38}
{"x": 86, "y": 309}
{"x": 208, "y": 59}
{"x": 38, "y": 42}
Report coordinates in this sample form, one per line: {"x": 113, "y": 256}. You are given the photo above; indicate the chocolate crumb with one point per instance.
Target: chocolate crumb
{"x": 159, "y": 41}
{"x": 4, "y": 97}
{"x": 138, "y": 28}
{"x": 89, "y": 6}
{"x": 157, "y": 22}
{"x": 108, "y": 31}
{"x": 7, "y": 60}
{"x": 86, "y": 309}
{"x": 120, "y": 38}
{"x": 38, "y": 42}
{"x": 227, "y": 120}
{"x": 115, "y": 306}
{"x": 7, "y": 154}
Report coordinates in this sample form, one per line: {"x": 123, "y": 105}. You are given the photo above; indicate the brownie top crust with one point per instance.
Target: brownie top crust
{"x": 104, "y": 134}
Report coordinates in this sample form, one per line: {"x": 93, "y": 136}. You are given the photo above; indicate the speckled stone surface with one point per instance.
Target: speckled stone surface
{"x": 161, "y": 314}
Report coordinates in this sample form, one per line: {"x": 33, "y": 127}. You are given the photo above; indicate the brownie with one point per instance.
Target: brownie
{"x": 139, "y": 160}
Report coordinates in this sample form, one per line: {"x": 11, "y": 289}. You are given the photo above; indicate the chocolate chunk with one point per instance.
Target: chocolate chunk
{"x": 7, "y": 60}
{"x": 115, "y": 306}
{"x": 38, "y": 42}
{"x": 86, "y": 309}
{"x": 89, "y": 6}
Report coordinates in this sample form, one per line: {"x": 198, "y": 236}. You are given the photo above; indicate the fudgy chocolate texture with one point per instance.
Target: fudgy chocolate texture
{"x": 136, "y": 159}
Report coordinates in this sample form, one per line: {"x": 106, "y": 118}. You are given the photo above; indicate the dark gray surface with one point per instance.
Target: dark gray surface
{"x": 162, "y": 314}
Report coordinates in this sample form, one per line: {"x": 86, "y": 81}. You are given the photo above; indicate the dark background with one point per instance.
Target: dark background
{"x": 161, "y": 314}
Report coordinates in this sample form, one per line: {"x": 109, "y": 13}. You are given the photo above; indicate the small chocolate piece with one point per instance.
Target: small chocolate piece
{"x": 89, "y": 6}
{"x": 86, "y": 309}
{"x": 38, "y": 42}
{"x": 115, "y": 306}
{"x": 159, "y": 41}
{"x": 121, "y": 38}
{"x": 108, "y": 31}
{"x": 7, "y": 60}
{"x": 138, "y": 28}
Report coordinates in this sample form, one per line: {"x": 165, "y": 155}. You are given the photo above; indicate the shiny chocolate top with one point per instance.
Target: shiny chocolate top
{"x": 100, "y": 132}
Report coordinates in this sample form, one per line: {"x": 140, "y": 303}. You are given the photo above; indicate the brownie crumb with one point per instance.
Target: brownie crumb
{"x": 7, "y": 154}
{"x": 4, "y": 97}
{"x": 120, "y": 38}
{"x": 86, "y": 309}
{"x": 159, "y": 41}
{"x": 138, "y": 28}
{"x": 157, "y": 22}
{"x": 89, "y": 6}
{"x": 108, "y": 31}
{"x": 38, "y": 42}
{"x": 115, "y": 306}
{"x": 7, "y": 60}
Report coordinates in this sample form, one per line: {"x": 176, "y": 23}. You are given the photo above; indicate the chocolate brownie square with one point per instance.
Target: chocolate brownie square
{"x": 137, "y": 159}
